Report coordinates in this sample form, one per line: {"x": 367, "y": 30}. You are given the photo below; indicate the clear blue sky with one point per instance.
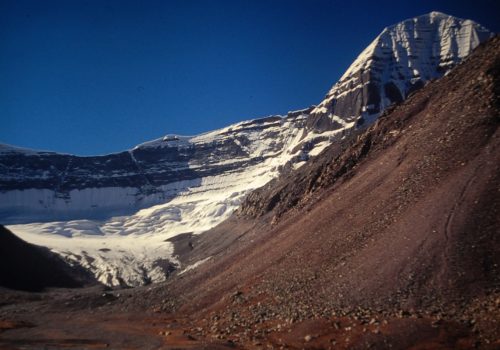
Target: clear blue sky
{"x": 93, "y": 77}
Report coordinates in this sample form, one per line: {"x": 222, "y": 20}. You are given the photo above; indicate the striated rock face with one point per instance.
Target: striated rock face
{"x": 121, "y": 209}
{"x": 400, "y": 60}
{"x": 45, "y": 186}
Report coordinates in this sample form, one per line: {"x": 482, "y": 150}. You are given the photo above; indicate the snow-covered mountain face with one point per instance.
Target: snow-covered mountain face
{"x": 400, "y": 60}
{"x": 44, "y": 186}
{"x": 115, "y": 214}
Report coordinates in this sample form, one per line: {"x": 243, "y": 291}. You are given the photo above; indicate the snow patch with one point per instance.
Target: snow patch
{"x": 195, "y": 265}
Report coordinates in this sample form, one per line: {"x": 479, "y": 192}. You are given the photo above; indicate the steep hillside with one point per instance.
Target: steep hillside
{"x": 402, "y": 226}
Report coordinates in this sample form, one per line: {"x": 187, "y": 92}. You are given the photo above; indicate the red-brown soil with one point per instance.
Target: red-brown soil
{"x": 390, "y": 240}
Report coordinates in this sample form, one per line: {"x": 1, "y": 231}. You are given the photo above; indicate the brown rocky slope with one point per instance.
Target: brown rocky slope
{"x": 401, "y": 221}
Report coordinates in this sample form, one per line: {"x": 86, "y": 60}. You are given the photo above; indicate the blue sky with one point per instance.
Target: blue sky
{"x": 94, "y": 77}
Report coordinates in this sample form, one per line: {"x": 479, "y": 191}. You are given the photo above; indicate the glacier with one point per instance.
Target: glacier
{"x": 124, "y": 249}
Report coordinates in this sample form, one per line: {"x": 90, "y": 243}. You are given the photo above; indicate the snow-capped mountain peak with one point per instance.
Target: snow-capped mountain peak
{"x": 401, "y": 59}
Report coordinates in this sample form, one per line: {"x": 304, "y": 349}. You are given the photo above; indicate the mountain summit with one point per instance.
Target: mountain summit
{"x": 400, "y": 60}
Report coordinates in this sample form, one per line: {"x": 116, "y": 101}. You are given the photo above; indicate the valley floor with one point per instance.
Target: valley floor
{"x": 94, "y": 318}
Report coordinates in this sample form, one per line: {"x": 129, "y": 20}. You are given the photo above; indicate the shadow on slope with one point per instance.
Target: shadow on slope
{"x": 24, "y": 266}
